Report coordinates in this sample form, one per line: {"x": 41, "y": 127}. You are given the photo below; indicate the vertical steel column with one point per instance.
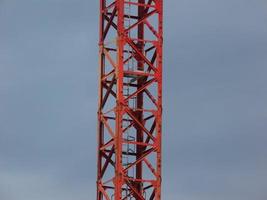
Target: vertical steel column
{"x": 140, "y": 96}
{"x": 130, "y": 100}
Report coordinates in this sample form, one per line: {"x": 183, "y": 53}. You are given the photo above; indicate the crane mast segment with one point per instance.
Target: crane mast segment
{"x": 130, "y": 100}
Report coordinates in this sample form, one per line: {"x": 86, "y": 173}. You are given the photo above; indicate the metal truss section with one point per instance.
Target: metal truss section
{"x": 130, "y": 100}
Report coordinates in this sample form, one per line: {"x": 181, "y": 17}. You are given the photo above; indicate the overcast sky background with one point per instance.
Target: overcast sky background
{"x": 215, "y": 99}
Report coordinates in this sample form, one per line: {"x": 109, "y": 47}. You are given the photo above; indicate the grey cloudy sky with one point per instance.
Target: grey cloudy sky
{"x": 215, "y": 99}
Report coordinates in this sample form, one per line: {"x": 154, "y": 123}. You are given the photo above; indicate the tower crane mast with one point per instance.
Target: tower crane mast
{"x": 130, "y": 100}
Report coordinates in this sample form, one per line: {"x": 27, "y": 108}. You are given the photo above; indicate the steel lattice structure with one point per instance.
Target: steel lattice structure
{"x": 130, "y": 100}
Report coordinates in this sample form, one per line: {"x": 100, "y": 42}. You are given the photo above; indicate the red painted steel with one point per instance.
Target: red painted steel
{"x": 130, "y": 100}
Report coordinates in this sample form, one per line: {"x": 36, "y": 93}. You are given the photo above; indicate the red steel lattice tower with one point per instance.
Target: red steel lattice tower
{"x": 130, "y": 100}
